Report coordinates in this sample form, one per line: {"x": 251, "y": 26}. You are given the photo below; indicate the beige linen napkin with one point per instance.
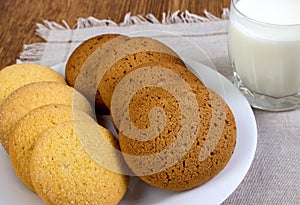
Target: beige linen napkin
{"x": 178, "y": 30}
{"x": 274, "y": 177}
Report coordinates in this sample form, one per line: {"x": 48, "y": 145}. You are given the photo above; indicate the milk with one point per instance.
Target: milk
{"x": 266, "y": 56}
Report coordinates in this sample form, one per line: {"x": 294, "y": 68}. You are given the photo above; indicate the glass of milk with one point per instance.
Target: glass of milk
{"x": 264, "y": 51}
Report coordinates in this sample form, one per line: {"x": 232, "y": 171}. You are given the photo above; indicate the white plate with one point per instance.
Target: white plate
{"x": 12, "y": 191}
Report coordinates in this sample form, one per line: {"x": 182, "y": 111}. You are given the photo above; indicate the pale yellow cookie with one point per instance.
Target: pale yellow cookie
{"x": 63, "y": 172}
{"x": 34, "y": 95}
{"x": 14, "y": 76}
{"x": 27, "y": 131}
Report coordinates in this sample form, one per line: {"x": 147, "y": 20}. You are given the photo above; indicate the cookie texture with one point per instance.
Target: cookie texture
{"x": 127, "y": 64}
{"x": 117, "y": 60}
{"x": 81, "y": 53}
{"x": 27, "y": 131}
{"x": 15, "y": 76}
{"x": 79, "y": 57}
{"x": 63, "y": 172}
{"x": 175, "y": 133}
{"x": 34, "y": 95}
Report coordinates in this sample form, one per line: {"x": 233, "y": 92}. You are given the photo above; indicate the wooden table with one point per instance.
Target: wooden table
{"x": 19, "y": 17}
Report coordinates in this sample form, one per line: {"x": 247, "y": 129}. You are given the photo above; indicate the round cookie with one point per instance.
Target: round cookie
{"x": 15, "y": 76}
{"x": 81, "y": 53}
{"x": 78, "y": 58}
{"x": 103, "y": 59}
{"x": 34, "y": 95}
{"x": 63, "y": 173}
{"x": 28, "y": 129}
{"x": 175, "y": 133}
{"x": 127, "y": 64}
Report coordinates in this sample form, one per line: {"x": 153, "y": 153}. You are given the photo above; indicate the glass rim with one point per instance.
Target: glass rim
{"x": 233, "y": 3}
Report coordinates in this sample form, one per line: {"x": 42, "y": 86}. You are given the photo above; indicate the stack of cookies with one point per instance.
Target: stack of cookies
{"x": 174, "y": 132}
{"x": 41, "y": 127}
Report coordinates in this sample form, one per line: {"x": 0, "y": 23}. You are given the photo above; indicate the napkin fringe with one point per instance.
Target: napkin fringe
{"x": 46, "y": 26}
{"x": 32, "y": 53}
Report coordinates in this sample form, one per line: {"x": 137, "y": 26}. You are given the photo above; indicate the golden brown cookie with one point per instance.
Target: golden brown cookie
{"x": 108, "y": 59}
{"x": 34, "y": 95}
{"x": 15, "y": 76}
{"x": 63, "y": 173}
{"x": 28, "y": 129}
{"x": 127, "y": 64}
{"x": 78, "y": 58}
{"x": 175, "y": 133}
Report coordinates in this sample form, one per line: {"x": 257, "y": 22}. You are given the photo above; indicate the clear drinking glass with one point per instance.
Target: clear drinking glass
{"x": 265, "y": 58}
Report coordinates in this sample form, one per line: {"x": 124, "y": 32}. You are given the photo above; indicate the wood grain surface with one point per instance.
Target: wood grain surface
{"x": 19, "y": 17}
